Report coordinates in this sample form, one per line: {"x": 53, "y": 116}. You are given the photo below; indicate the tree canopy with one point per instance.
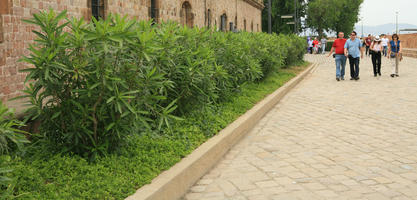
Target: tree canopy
{"x": 320, "y": 15}
{"x": 279, "y": 8}
{"x": 332, "y": 15}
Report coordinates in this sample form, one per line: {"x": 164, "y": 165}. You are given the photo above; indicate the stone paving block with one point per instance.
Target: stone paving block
{"x": 325, "y": 139}
{"x": 326, "y": 193}
{"x": 266, "y": 184}
{"x": 228, "y": 188}
{"x": 242, "y": 184}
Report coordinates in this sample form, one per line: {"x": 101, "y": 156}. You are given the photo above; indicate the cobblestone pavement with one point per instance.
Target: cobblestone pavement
{"x": 328, "y": 140}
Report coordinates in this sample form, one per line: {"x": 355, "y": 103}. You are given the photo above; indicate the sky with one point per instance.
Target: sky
{"x": 378, "y": 12}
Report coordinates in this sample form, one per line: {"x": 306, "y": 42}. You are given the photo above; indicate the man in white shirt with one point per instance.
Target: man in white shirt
{"x": 384, "y": 42}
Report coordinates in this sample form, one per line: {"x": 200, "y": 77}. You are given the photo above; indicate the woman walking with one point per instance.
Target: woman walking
{"x": 394, "y": 54}
{"x": 376, "y": 49}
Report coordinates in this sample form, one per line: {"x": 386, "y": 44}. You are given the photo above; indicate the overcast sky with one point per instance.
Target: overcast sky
{"x": 377, "y": 12}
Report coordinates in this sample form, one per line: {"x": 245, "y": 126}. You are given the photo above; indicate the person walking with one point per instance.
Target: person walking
{"x": 323, "y": 45}
{"x": 353, "y": 50}
{"x": 376, "y": 48}
{"x": 384, "y": 42}
{"x": 368, "y": 42}
{"x": 394, "y": 54}
{"x": 338, "y": 47}
{"x": 315, "y": 45}
{"x": 310, "y": 46}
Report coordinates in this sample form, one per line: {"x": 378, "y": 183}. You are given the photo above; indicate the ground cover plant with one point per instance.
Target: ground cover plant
{"x": 119, "y": 101}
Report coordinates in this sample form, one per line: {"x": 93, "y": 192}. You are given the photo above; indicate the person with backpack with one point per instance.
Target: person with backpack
{"x": 376, "y": 48}
{"x": 354, "y": 51}
{"x": 394, "y": 54}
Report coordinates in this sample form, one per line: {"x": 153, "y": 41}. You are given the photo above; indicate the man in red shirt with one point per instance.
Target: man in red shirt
{"x": 315, "y": 45}
{"x": 340, "y": 58}
{"x": 368, "y": 42}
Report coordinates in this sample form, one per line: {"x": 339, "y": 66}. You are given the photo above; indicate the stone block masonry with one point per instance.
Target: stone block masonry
{"x": 15, "y": 35}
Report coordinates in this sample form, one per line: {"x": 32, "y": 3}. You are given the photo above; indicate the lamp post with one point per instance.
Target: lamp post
{"x": 396, "y": 23}
{"x": 269, "y": 17}
{"x": 295, "y": 16}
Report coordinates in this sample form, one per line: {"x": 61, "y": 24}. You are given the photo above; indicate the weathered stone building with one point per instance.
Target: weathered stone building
{"x": 15, "y": 35}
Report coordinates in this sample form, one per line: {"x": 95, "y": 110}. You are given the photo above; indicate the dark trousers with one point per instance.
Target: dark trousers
{"x": 376, "y": 62}
{"x": 367, "y": 52}
{"x": 354, "y": 66}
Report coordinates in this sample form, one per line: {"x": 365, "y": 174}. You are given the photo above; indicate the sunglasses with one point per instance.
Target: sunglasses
{"x": 352, "y": 35}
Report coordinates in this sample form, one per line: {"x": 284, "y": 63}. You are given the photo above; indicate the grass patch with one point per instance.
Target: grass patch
{"x": 44, "y": 175}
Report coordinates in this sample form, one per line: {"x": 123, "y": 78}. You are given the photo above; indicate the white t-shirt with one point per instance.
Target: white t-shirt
{"x": 384, "y": 41}
{"x": 377, "y": 47}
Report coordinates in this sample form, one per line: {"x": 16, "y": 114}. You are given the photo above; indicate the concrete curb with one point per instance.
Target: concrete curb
{"x": 175, "y": 182}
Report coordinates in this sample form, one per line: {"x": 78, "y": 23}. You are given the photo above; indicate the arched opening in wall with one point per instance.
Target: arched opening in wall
{"x": 257, "y": 27}
{"x": 186, "y": 14}
{"x": 223, "y": 22}
{"x": 98, "y": 8}
{"x": 244, "y": 24}
{"x": 154, "y": 11}
{"x": 209, "y": 18}
{"x": 251, "y": 26}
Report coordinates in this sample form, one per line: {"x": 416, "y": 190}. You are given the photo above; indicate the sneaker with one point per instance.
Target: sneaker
{"x": 397, "y": 75}
{"x": 357, "y": 78}
{"x": 343, "y": 78}
{"x": 392, "y": 75}
{"x": 379, "y": 73}
{"x": 337, "y": 79}
{"x": 374, "y": 75}
{"x": 352, "y": 78}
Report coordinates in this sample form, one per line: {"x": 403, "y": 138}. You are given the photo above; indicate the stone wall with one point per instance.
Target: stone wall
{"x": 407, "y": 40}
{"x": 15, "y": 36}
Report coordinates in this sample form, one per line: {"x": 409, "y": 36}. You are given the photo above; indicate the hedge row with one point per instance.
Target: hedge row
{"x": 94, "y": 84}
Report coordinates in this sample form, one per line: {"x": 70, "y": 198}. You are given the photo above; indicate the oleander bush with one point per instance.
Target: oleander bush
{"x": 92, "y": 85}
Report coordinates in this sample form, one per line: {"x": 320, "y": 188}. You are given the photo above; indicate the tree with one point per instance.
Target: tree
{"x": 346, "y": 20}
{"x": 279, "y": 8}
{"x": 332, "y": 15}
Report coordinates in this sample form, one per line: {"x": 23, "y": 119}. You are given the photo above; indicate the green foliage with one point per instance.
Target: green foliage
{"x": 95, "y": 84}
{"x": 279, "y": 8}
{"x": 332, "y": 15}
{"x": 45, "y": 175}
{"x": 329, "y": 45}
{"x": 10, "y": 136}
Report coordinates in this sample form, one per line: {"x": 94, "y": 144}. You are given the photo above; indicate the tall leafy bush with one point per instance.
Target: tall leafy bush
{"x": 93, "y": 84}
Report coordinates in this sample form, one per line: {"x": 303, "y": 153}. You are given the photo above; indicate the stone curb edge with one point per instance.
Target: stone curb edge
{"x": 175, "y": 182}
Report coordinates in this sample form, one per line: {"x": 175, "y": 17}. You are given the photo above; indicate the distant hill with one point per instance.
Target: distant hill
{"x": 382, "y": 29}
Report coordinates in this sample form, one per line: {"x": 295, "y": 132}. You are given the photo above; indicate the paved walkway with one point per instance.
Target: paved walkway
{"x": 328, "y": 140}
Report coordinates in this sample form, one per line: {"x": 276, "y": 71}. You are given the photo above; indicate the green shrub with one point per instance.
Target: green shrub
{"x": 11, "y": 138}
{"x": 42, "y": 174}
{"x": 329, "y": 45}
{"x": 95, "y": 84}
